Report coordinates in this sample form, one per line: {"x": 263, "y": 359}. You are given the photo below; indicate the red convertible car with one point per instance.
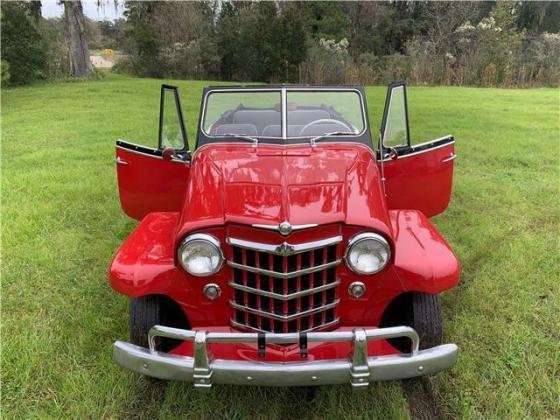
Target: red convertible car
{"x": 285, "y": 247}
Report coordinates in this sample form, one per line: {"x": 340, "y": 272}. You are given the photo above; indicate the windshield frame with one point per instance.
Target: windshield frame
{"x": 363, "y": 137}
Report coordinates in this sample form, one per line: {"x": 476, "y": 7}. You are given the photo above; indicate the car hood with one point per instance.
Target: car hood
{"x": 268, "y": 184}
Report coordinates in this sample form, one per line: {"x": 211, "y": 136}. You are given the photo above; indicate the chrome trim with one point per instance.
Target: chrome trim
{"x": 285, "y": 146}
{"x": 288, "y": 296}
{"x": 452, "y": 156}
{"x": 357, "y": 284}
{"x": 422, "y": 151}
{"x": 358, "y": 370}
{"x": 315, "y": 328}
{"x": 277, "y": 227}
{"x": 284, "y": 116}
{"x": 434, "y": 140}
{"x": 173, "y": 159}
{"x": 284, "y": 317}
{"x": 362, "y": 237}
{"x": 208, "y": 286}
{"x": 202, "y": 373}
{"x": 279, "y": 275}
{"x": 284, "y": 249}
{"x": 201, "y": 237}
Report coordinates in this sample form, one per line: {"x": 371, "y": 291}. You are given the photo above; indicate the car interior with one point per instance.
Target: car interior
{"x": 303, "y": 121}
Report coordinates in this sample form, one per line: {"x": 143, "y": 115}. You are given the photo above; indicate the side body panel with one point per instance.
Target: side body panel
{"x": 421, "y": 177}
{"x": 147, "y": 182}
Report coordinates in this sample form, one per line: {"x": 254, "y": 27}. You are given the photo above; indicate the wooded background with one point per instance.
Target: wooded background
{"x": 505, "y": 43}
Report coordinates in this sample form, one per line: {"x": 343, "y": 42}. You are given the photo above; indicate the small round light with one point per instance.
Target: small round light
{"x": 357, "y": 289}
{"x": 200, "y": 255}
{"x": 367, "y": 253}
{"x": 212, "y": 291}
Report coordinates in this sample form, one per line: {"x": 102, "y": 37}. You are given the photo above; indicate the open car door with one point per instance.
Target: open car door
{"x": 155, "y": 179}
{"x": 416, "y": 177}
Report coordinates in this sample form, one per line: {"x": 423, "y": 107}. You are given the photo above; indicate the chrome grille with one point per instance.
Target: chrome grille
{"x": 284, "y": 288}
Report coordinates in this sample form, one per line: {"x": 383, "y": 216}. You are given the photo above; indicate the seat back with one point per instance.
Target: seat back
{"x": 240, "y": 129}
{"x": 259, "y": 118}
{"x": 305, "y": 116}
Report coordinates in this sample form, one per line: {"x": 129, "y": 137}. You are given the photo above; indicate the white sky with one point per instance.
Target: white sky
{"x": 105, "y": 12}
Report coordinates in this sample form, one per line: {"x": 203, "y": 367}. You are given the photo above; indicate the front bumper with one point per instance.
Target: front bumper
{"x": 358, "y": 369}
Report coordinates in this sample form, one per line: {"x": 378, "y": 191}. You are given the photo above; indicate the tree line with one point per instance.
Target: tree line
{"x": 504, "y": 43}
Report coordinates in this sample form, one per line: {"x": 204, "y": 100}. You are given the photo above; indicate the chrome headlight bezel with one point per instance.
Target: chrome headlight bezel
{"x": 201, "y": 237}
{"x": 366, "y": 236}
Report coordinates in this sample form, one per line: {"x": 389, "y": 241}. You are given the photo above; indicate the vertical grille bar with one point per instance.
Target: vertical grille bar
{"x": 245, "y": 274}
{"x": 324, "y": 293}
{"x": 298, "y": 287}
{"x": 285, "y": 292}
{"x": 312, "y": 284}
{"x": 258, "y": 286}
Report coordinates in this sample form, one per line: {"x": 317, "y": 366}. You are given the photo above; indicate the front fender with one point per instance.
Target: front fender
{"x": 424, "y": 261}
{"x": 144, "y": 264}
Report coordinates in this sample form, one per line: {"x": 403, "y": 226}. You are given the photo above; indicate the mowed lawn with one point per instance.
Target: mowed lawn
{"x": 61, "y": 223}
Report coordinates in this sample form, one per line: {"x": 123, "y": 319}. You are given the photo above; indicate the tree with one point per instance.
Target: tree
{"x": 539, "y": 16}
{"x": 292, "y": 45}
{"x": 324, "y": 19}
{"x": 22, "y": 46}
{"x": 80, "y": 64}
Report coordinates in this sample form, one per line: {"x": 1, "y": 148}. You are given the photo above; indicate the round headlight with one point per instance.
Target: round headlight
{"x": 200, "y": 255}
{"x": 367, "y": 253}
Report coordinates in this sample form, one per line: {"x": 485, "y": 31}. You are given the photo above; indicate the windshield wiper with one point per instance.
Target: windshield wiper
{"x": 253, "y": 140}
{"x": 320, "y": 137}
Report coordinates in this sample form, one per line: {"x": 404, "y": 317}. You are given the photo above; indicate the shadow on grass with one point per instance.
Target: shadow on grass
{"x": 175, "y": 399}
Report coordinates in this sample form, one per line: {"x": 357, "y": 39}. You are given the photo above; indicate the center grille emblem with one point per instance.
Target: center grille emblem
{"x": 285, "y": 249}
{"x": 285, "y": 228}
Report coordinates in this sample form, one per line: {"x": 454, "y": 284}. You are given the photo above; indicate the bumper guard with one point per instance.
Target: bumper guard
{"x": 358, "y": 369}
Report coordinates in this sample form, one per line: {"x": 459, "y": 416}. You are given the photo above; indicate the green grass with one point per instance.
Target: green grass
{"x": 61, "y": 223}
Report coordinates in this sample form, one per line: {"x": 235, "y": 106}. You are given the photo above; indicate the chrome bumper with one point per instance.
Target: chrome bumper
{"x": 358, "y": 370}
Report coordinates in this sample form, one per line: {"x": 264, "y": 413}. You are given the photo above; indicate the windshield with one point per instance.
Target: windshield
{"x": 306, "y": 113}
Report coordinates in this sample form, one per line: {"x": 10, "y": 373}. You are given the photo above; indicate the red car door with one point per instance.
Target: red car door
{"x": 155, "y": 179}
{"x": 416, "y": 177}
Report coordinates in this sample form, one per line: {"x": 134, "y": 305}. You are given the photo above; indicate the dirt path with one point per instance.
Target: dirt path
{"x": 422, "y": 402}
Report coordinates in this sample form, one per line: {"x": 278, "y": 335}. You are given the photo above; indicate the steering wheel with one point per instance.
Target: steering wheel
{"x": 324, "y": 121}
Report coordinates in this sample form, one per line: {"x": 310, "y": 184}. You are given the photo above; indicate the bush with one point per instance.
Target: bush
{"x": 196, "y": 59}
{"x": 22, "y": 48}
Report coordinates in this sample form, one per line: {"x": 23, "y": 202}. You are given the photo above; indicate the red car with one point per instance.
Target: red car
{"x": 287, "y": 247}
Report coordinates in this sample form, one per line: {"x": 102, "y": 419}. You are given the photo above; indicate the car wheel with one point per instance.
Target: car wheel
{"x": 421, "y": 311}
{"x": 147, "y": 311}
{"x": 427, "y": 321}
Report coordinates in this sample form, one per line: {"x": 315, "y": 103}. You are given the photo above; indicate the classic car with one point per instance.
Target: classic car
{"x": 285, "y": 246}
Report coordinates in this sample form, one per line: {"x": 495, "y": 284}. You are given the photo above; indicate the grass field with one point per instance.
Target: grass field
{"x": 61, "y": 223}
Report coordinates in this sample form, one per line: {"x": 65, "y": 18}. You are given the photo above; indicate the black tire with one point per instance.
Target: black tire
{"x": 421, "y": 311}
{"x": 147, "y": 311}
{"x": 427, "y": 319}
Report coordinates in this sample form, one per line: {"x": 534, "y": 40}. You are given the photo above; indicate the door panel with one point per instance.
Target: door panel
{"x": 147, "y": 182}
{"x": 421, "y": 177}
{"x": 415, "y": 177}
{"x": 155, "y": 179}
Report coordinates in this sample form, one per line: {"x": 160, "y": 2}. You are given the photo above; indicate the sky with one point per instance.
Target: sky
{"x": 105, "y": 12}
